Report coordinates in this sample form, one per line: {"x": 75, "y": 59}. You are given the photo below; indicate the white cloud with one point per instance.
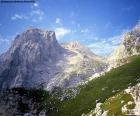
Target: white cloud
{"x": 4, "y": 40}
{"x": 105, "y": 46}
{"x": 58, "y": 21}
{"x": 61, "y": 32}
{"x": 19, "y": 16}
{"x": 38, "y": 19}
{"x": 117, "y": 39}
{"x": 35, "y": 15}
{"x": 37, "y": 12}
{"x": 4, "y": 43}
{"x": 84, "y": 30}
{"x": 35, "y": 5}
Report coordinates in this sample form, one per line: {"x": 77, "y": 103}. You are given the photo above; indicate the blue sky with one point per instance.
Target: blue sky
{"x": 98, "y": 24}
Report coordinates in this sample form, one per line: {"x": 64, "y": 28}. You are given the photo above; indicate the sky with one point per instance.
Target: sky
{"x": 97, "y": 24}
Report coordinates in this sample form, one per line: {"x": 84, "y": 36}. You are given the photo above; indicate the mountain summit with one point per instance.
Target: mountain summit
{"x": 37, "y": 60}
{"x": 130, "y": 46}
{"x": 23, "y": 63}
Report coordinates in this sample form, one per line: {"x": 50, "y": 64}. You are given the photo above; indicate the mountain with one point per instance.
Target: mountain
{"x": 28, "y": 60}
{"x": 129, "y": 47}
{"x": 37, "y": 60}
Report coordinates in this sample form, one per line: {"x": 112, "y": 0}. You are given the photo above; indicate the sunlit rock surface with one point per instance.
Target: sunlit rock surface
{"x": 129, "y": 47}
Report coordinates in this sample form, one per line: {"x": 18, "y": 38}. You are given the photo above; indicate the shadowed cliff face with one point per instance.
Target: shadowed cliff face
{"x": 37, "y": 60}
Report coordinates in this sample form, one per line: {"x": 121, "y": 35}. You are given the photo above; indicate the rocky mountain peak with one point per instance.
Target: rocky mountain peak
{"x": 129, "y": 47}
{"x": 38, "y": 34}
{"x": 28, "y": 52}
{"x": 137, "y": 27}
{"x": 36, "y": 43}
{"x": 36, "y": 60}
{"x": 74, "y": 44}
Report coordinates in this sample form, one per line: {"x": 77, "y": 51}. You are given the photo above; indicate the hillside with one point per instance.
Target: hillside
{"x": 102, "y": 88}
{"x": 98, "y": 90}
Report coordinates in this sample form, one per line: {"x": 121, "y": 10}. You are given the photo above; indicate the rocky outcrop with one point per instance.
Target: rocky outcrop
{"x": 129, "y": 47}
{"x": 98, "y": 111}
{"x": 135, "y": 92}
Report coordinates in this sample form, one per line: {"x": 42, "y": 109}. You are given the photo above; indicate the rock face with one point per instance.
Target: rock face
{"x": 28, "y": 60}
{"x": 129, "y": 47}
{"x": 37, "y": 60}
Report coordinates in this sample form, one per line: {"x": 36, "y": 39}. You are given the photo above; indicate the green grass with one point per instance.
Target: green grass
{"x": 117, "y": 79}
{"x": 138, "y": 48}
{"x": 115, "y": 104}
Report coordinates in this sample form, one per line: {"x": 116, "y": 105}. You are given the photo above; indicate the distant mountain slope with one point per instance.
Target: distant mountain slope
{"x": 75, "y": 46}
{"x": 37, "y": 60}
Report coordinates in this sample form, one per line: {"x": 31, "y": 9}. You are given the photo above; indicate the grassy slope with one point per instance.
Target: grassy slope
{"x": 114, "y": 105}
{"x": 117, "y": 79}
